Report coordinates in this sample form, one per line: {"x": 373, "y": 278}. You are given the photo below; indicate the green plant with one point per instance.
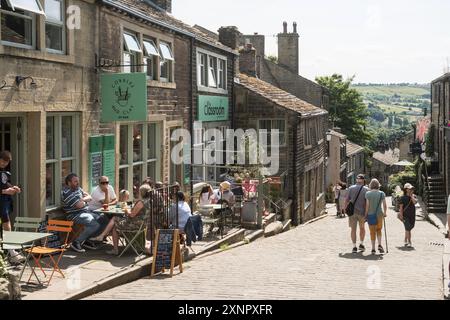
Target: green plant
{"x": 400, "y": 179}
{"x": 225, "y": 246}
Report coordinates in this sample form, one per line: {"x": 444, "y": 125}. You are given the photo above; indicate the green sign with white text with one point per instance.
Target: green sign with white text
{"x": 124, "y": 97}
{"x": 212, "y": 108}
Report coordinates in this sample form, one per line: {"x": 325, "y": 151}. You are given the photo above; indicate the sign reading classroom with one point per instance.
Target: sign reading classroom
{"x": 124, "y": 97}
{"x": 212, "y": 108}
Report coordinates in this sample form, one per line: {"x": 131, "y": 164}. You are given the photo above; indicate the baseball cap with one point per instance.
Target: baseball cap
{"x": 408, "y": 186}
{"x": 361, "y": 176}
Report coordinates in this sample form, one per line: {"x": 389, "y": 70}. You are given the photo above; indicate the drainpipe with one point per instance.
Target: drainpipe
{"x": 296, "y": 201}
{"x": 191, "y": 119}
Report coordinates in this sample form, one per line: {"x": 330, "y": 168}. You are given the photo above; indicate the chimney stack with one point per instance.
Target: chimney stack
{"x": 288, "y": 49}
{"x": 230, "y": 36}
{"x": 247, "y": 60}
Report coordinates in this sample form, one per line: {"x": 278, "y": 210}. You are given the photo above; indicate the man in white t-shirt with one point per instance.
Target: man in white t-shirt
{"x": 102, "y": 194}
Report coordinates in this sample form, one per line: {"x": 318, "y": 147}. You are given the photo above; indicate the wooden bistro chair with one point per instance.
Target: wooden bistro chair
{"x": 40, "y": 252}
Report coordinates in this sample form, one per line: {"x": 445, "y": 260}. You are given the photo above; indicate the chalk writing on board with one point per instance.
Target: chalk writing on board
{"x": 164, "y": 250}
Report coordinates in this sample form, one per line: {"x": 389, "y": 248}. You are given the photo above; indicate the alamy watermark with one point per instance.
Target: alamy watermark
{"x": 228, "y": 147}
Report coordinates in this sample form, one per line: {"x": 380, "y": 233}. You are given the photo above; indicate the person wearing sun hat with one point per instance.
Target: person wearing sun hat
{"x": 225, "y": 193}
{"x": 408, "y": 211}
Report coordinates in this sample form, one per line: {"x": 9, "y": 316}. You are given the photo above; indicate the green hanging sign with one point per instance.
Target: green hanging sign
{"x": 212, "y": 108}
{"x": 124, "y": 97}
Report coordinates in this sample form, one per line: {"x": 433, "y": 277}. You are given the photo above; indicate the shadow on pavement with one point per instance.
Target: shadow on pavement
{"x": 360, "y": 256}
{"x": 403, "y": 248}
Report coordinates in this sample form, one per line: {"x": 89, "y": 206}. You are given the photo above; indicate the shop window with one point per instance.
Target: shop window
{"x": 139, "y": 155}
{"x": 62, "y": 154}
{"x": 54, "y": 26}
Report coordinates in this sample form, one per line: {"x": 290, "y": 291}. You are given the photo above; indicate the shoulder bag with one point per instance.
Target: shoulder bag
{"x": 350, "y": 210}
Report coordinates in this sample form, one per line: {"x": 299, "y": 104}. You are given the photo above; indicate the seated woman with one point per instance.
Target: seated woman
{"x": 206, "y": 196}
{"x": 132, "y": 220}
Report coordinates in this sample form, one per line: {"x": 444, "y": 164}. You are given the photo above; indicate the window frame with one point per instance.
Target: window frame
{"x": 272, "y": 121}
{"x": 57, "y": 153}
{"x": 207, "y": 87}
{"x": 154, "y": 58}
{"x": 145, "y": 160}
{"x": 27, "y": 15}
{"x": 166, "y": 61}
{"x": 58, "y": 24}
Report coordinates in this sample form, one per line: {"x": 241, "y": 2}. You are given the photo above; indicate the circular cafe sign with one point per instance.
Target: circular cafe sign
{"x": 123, "y": 91}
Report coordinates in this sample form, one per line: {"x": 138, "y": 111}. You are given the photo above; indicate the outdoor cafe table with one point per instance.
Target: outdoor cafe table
{"x": 112, "y": 211}
{"x": 12, "y": 239}
{"x": 215, "y": 207}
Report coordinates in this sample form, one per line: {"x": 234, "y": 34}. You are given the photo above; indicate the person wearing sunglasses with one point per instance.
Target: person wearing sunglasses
{"x": 103, "y": 194}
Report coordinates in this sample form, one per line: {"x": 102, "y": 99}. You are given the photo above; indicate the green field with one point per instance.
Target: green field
{"x": 391, "y": 90}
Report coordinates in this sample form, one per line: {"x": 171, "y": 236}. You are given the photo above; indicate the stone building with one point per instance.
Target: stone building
{"x": 440, "y": 119}
{"x": 336, "y": 168}
{"x": 302, "y": 126}
{"x": 284, "y": 73}
{"x": 54, "y": 116}
{"x": 355, "y": 162}
{"x": 383, "y": 165}
{"x": 404, "y": 144}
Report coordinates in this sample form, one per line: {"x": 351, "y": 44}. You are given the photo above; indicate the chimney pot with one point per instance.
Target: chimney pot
{"x": 295, "y": 27}
{"x": 285, "y": 27}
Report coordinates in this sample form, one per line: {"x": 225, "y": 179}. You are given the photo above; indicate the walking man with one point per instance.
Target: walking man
{"x": 357, "y": 195}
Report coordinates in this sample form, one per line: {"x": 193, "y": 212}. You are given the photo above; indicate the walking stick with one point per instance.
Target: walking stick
{"x": 385, "y": 234}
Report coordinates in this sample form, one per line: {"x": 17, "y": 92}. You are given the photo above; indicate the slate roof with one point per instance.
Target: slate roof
{"x": 338, "y": 134}
{"x": 145, "y": 9}
{"x": 388, "y": 158}
{"x": 353, "y": 148}
{"x": 278, "y": 96}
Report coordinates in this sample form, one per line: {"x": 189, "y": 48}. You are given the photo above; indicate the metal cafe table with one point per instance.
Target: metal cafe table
{"x": 22, "y": 240}
{"x": 113, "y": 211}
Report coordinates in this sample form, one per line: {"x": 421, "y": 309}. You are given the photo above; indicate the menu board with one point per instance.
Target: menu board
{"x": 166, "y": 252}
{"x": 95, "y": 160}
{"x": 109, "y": 158}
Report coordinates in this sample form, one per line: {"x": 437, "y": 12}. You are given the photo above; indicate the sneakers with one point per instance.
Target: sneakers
{"x": 374, "y": 251}
{"x": 76, "y": 246}
{"x": 355, "y": 250}
{"x": 362, "y": 248}
{"x": 380, "y": 249}
{"x": 18, "y": 258}
{"x": 89, "y": 245}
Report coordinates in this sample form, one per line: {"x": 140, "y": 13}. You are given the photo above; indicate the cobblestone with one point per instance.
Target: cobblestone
{"x": 308, "y": 262}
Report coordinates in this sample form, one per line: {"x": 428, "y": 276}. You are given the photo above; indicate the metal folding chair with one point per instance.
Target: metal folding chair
{"x": 134, "y": 236}
{"x": 41, "y": 252}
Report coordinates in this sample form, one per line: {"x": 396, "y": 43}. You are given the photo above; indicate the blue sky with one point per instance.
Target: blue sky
{"x": 375, "y": 40}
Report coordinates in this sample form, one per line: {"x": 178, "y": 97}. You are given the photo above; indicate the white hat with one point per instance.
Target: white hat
{"x": 408, "y": 186}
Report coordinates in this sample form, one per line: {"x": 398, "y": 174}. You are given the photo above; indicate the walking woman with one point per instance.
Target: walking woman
{"x": 408, "y": 212}
{"x": 374, "y": 213}
{"x": 342, "y": 196}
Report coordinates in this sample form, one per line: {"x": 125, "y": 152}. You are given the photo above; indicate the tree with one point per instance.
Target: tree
{"x": 347, "y": 109}
{"x": 390, "y": 121}
{"x": 273, "y": 58}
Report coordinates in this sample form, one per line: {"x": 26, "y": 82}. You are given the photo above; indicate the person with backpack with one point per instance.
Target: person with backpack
{"x": 355, "y": 205}
{"x": 408, "y": 212}
{"x": 375, "y": 214}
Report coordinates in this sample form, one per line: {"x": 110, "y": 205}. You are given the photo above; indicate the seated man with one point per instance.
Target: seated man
{"x": 75, "y": 205}
{"x": 102, "y": 194}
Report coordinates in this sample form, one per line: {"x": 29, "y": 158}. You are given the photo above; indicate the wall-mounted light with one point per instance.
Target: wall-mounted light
{"x": 20, "y": 79}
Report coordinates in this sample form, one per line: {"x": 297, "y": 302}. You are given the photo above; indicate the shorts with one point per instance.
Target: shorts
{"x": 6, "y": 209}
{"x": 354, "y": 219}
{"x": 409, "y": 223}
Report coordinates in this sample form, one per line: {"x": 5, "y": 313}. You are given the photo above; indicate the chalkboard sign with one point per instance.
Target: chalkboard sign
{"x": 109, "y": 158}
{"x": 166, "y": 252}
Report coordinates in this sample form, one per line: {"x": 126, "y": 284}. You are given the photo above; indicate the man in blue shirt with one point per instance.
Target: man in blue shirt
{"x": 75, "y": 205}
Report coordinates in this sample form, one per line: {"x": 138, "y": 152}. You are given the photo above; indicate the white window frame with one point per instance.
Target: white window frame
{"x": 154, "y": 56}
{"x": 39, "y": 9}
{"x": 58, "y": 159}
{"x": 60, "y": 24}
{"x": 145, "y": 157}
{"x": 27, "y": 16}
{"x": 207, "y": 87}
{"x": 212, "y": 72}
{"x": 221, "y": 74}
{"x": 166, "y": 59}
{"x": 272, "y": 120}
